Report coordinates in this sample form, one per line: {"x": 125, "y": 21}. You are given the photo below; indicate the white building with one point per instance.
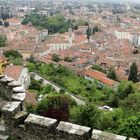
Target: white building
{"x": 19, "y": 74}
{"x": 126, "y": 35}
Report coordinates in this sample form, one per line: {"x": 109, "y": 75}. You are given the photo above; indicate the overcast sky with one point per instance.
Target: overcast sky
{"x": 131, "y": 1}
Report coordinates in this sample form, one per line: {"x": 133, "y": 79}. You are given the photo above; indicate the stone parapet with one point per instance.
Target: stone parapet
{"x": 101, "y": 135}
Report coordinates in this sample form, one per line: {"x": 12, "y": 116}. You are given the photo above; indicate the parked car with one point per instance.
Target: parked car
{"x": 105, "y": 108}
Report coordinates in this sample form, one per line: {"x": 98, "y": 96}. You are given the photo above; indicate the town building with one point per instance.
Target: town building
{"x": 18, "y": 73}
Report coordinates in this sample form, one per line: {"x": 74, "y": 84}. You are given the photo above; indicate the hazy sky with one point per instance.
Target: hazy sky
{"x": 132, "y": 1}
{"x": 116, "y": 1}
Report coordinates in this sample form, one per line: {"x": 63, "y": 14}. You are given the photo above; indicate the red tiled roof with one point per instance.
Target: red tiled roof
{"x": 79, "y": 38}
{"x": 13, "y": 20}
{"x": 13, "y": 71}
{"x": 100, "y": 76}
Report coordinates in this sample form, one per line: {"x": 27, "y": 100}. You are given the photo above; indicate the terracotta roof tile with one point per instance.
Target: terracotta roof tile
{"x": 13, "y": 71}
{"x": 100, "y": 76}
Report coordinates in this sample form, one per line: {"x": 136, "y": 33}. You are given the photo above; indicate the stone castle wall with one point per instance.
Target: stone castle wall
{"x": 23, "y": 126}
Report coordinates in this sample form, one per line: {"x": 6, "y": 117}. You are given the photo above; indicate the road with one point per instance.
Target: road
{"x": 57, "y": 88}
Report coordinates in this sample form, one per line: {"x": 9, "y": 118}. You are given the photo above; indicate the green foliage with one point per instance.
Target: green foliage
{"x": 98, "y": 68}
{"x": 13, "y": 54}
{"x": 55, "y": 106}
{"x": 3, "y": 40}
{"x": 55, "y": 57}
{"x": 57, "y": 23}
{"x": 30, "y": 108}
{"x": 88, "y": 32}
{"x": 113, "y": 101}
{"x": 35, "y": 85}
{"x": 6, "y": 24}
{"x": 47, "y": 89}
{"x": 106, "y": 121}
{"x": 80, "y": 22}
{"x": 95, "y": 29}
{"x": 17, "y": 61}
{"x": 68, "y": 59}
{"x": 125, "y": 88}
{"x": 72, "y": 82}
{"x": 31, "y": 66}
{"x": 116, "y": 121}
{"x": 25, "y": 21}
{"x": 54, "y": 24}
{"x": 133, "y": 76}
{"x": 31, "y": 59}
{"x": 132, "y": 102}
{"x": 1, "y": 23}
{"x": 130, "y": 126}
{"x": 112, "y": 74}
{"x": 111, "y": 119}
{"x": 87, "y": 115}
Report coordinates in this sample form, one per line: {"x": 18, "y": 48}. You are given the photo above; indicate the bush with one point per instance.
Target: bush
{"x": 35, "y": 85}
{"x": 55, "y": 58}
{"x": 6, "y": 24}
{"x": 98, "y": 68}
{"x": 25, "y": 21}
{"x": 12, "y": 54}
{"x": 55, "y": 106}
{"x": 2, "y": 41}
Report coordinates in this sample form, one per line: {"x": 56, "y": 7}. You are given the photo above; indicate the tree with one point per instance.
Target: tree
{"x": 68, "y": 59}
{"x": 2, "y": 41}
{"x": 112, "y": 74}
{"x": 110, "y": 120}
{"x": 55, "y": 58}
{"x": 98, "y": 68}
{"x": 106, "y": 121}
{"x": 133, "y": 76}
{"x": 17, "y": 61}
{"x": 88, "y": 32}
{"x": 80, "y": 22}
{"x": 55, "y": 106}
{"x": 126, "y": 88}
{"x": 12, "y": 54}
{"x": 31, "y": 59}
{"x": 114, "y": 101}
{"x": 87, "y": 115}
{"x": 95, "y": 29}
{"x": 35, "y": 85}
{"x": 1, "y": 23}
{"x": 130, "y": 126}
{"x": 132, "y": 102}
{"x": 25, "y": 21}
{"x": 47, "y": 89}
{"x": 6, "y": 24}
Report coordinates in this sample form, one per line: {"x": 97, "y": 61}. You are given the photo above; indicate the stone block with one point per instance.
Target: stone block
{"x": 19, "y": 89}
{"x": 40, "y": 126}
{"x": 6, "y": 79}
{"x": 101, "y": 135}
{"x": 66, "y": 130}
{"x": 19, "y": 97}
{"x": 14, "y": 84}
{"x": 10, "y": 109}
